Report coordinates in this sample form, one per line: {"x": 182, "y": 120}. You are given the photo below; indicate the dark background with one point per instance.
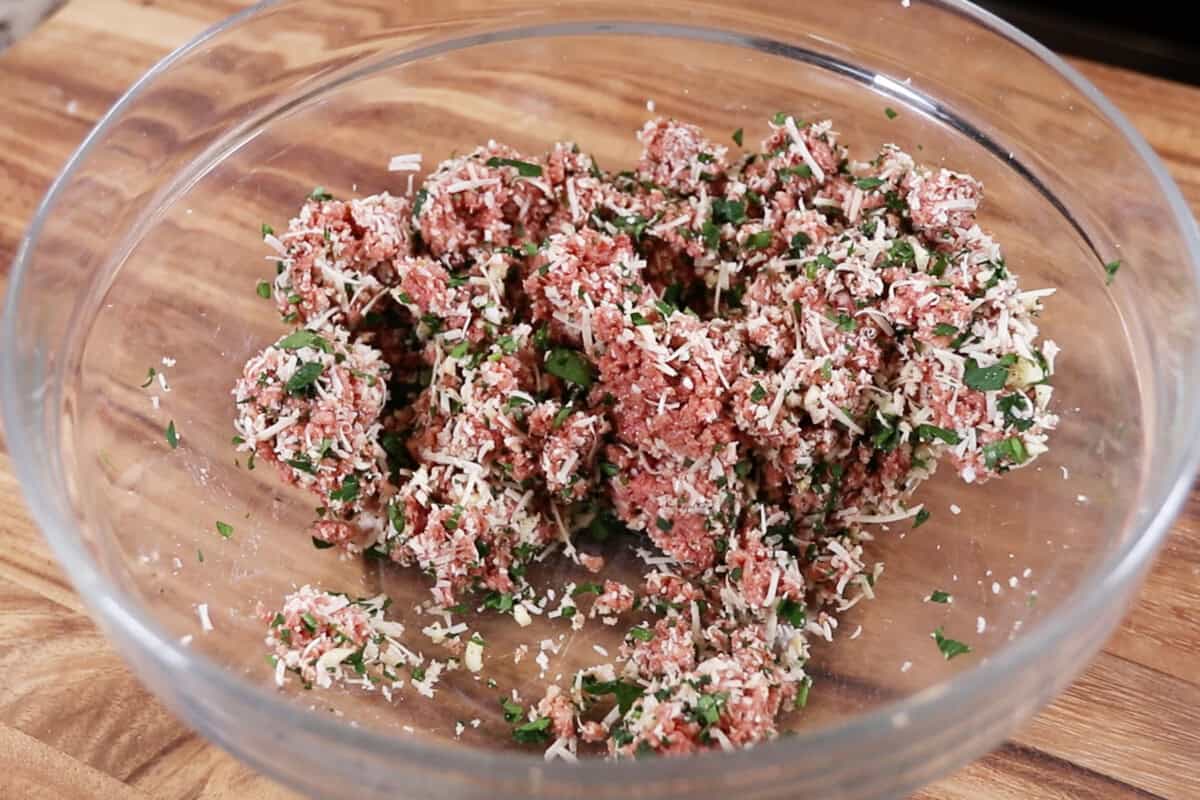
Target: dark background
{"x": 1146, "y": 35}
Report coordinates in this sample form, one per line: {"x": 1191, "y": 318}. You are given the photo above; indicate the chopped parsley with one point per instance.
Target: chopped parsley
{"x": 1110, "y": 271}
{"x": 986, "y": 379}
{"x": 626, "y": 693}
{"x": 868, "y": 184}
{"x": 759, "y": 240}
{"x": 305, "y": 338}
{"x": 641, "y": 633}
{"x": 535, "y": 732}
{"x": 172, "y": 436}
{"x": 890, "y": 112}
{"x": 1006, "y": 451}
{"x": 225, "y": 529}
{"x": 561, "y": 416}
{"x": 664, "y": 525}
{"x": 570, "y": 365}
{"x": 927, "y": 433}
{"x": 793, "y": 613}
{"x": 950, "y": 648}
{"x": 150, "y": 373}
{"x": 921, "y": 518}
{"x": 304, "y": 378}
{"x": 942, "y": 329}
{"x": 500, "y": 601}
{"x": 348, "y": 491}
{"x": 728, "y": 211}
{"x": 800, "y": 171}
{"x": 758, "y": 393}
{"x": 264, "y": 290}
{"x": 737, "y": 137}
{"x": 1010, "y": 405}
{"x": 319, "y": 193}
{"x": 321, "y": 544}
{"x": 940, "y": 597}
{"x": 524, "y": 168}
{"x": 802, "y": 693}
{"x": 513, "y": 710}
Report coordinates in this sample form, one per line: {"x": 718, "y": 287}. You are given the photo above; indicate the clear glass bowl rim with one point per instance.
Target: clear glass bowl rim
{"x": 117, "y": 609}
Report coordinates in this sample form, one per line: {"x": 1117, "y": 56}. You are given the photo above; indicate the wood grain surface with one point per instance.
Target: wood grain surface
{"x": 75, "y": 723}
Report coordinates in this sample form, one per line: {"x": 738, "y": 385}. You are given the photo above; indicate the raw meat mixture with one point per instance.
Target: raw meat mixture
{"x": 734, "y": 359}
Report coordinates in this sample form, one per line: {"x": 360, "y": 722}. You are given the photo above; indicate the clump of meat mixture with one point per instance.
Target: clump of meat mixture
{"x": 738, "y": 359}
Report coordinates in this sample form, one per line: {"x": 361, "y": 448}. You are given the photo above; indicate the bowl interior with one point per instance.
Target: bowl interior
{"x": 182, "y": 288}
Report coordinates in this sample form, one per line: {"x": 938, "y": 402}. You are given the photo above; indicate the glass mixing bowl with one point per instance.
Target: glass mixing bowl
{"x": 148, "y": 247}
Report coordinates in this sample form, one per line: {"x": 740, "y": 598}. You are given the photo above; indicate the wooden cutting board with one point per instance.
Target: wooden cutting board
{"x": 85, "y": 728}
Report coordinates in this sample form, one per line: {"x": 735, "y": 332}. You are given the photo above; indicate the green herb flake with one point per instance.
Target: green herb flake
{"x": 985, "y": 379}
{"x": 513, "y": 710}
{"x": 348, "y": 490}
{"x": 950, "y": 648}
{"x": 641, "y": 633}
{"x": 626, "y": 693}
{"x": 524, "y": 168}
{"x": 535, "y": 732}
{"x": 309, "y": 621}
{"x": 570, "y": 365}
{"x": 799, "y": 241}
{"x": 637, "y": 318}
{"x": 800, "y": 171}
{"x": 1011, "y": 451}
{"x": 927, "y": 433}
{"x": 150, "y": 373}
{"x": 867, "y": 184}
{"x": 305, "y": 338}
{"x": 587, "y": 588}
{"x": 172, "y": 436}
{"x": 419, "y": 202}
{"x": 499, "y": 601}
{"x": 941, "y": 597}
{"x": 561, "y": 417}
{"x": 758, "y": 393}
{"x": 890, "y": 112}
{"x": 921, "y": 518}
{"x": 664, "y": 525}
{"x": 793, "y": 613}
{"x": 225, "y": 529}
{"x": 319, "y": 193}
{"x": 802, "y": 693}
{"x": 304, "y": 377}
{"x": 1110, "y": 271}
{"x": 728, "y": 211}
{"x": 1010, "y": 405}
{"x": 321, "y": 544}
{"x": 460, "y": 350}
{"x": 302, "y": 463}
{"x": 737, "y": 137}
{"x": 942, "y": 329}
{"x": 263, "y": 290}
{"x": 759, "y": 240}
